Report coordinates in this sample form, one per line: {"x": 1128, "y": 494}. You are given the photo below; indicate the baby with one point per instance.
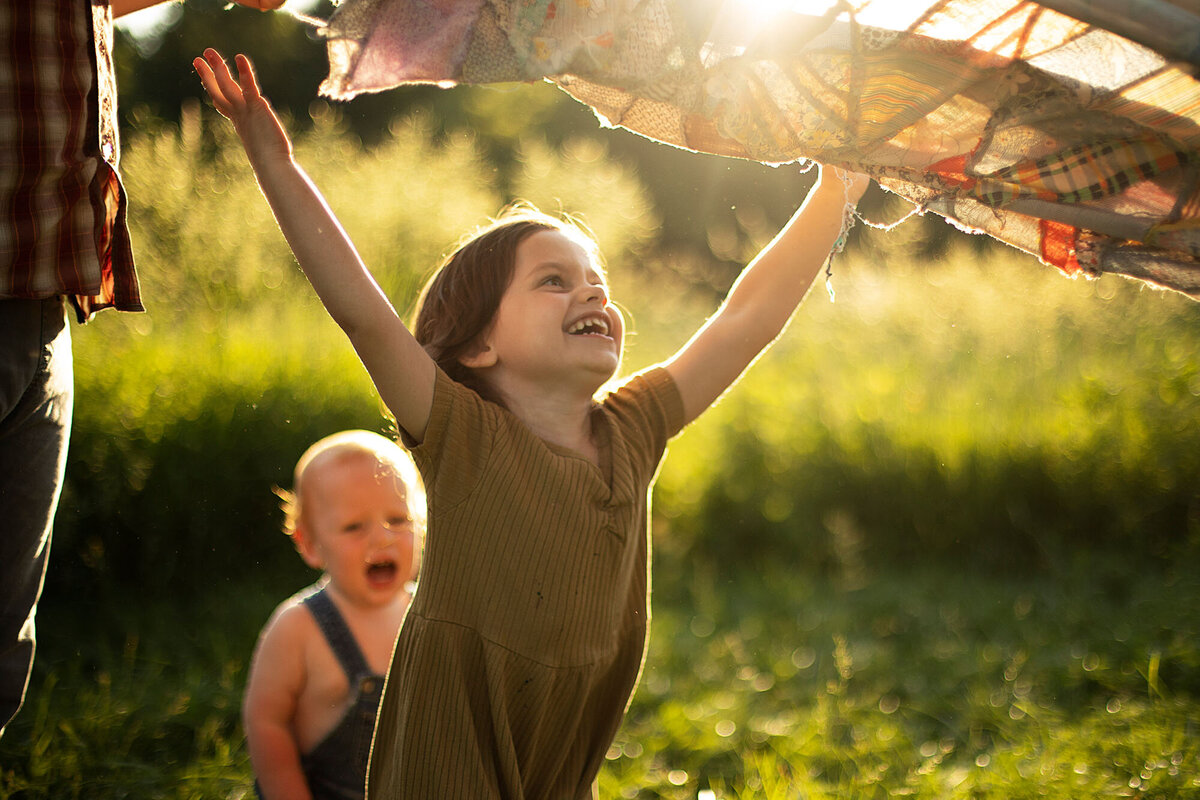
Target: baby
{"x": 357, "y": 514}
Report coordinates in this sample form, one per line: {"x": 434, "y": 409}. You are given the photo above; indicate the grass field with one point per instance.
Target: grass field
{"x": 938, "y": 683}
{"x": 894, "y": 646}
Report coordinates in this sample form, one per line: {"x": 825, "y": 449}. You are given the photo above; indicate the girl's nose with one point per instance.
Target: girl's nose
{"x": 596, "y": 293}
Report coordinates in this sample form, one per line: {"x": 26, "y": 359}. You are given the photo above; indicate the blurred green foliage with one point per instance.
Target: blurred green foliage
{"x": 187, "y": 416}
{"x": 980, "y": 409}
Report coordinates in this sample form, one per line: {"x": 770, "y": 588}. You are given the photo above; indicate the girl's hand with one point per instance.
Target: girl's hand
{"x": 851, "y": 184}
{"x": 242, "y": 103}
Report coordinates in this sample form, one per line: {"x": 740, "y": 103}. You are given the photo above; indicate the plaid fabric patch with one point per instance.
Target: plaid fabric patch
{"x": 1082, "y": 173}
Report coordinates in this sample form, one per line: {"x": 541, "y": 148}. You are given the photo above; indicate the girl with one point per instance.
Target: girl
{"x": 523, "y": 644}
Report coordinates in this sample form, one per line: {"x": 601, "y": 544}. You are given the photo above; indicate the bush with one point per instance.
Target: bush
{"x": 173, "y": 458}
{"x": 988, "y": 412}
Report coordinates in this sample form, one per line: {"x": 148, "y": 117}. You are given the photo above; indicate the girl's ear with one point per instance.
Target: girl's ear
{"x": 480, "y": 356}
{"x": 307, "y": 547}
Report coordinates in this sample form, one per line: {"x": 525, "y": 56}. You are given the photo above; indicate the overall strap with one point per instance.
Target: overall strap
{"x": 336, "y": 632}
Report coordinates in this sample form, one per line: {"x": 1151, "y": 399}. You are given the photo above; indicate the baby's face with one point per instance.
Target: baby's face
{"x": 360, "y": 528}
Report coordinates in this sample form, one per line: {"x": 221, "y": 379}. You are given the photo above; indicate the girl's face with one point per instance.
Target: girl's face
{"x": 555, "y": 322}
{"x": 358, "y": 528}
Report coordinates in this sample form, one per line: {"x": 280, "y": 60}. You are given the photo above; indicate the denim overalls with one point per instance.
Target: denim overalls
{"x": 336, "y": 769}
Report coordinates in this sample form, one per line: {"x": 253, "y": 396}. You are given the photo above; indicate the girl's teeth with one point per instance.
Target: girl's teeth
{"x": 582, "y": 325}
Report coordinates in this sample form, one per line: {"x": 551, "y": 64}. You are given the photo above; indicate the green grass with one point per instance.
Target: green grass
{"x": 931, "y": 683}
{"x": 134, "y": 701}
{"x": 936, "y": 683}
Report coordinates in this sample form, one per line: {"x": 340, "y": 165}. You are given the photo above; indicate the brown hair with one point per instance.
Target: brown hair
{"x": 460, "y": 300}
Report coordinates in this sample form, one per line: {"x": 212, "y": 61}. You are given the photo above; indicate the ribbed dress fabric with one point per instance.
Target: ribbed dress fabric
{"x": 525, "y": 638}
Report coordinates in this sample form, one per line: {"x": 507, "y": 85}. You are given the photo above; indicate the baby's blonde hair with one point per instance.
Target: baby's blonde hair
{"x": 354, "y": 442}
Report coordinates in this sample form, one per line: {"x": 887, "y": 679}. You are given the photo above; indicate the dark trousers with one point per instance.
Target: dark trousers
{"x": 36, "y": 395}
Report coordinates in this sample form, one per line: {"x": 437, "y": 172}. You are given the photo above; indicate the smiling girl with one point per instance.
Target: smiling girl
{"x": 523, "y": 645}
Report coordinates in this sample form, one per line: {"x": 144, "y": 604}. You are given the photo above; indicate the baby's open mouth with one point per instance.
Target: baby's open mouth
{"x": 381, "y": 573}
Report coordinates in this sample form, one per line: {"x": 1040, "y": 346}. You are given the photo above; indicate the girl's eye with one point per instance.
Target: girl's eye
{"x": 398, "y": 522}
{"x": 552, "y": 280}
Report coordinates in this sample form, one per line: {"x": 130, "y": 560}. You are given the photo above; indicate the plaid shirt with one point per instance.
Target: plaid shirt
{"x": 62, "y": 207}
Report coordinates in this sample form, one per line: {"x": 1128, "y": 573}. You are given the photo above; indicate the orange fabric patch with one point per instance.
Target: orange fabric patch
{"x": 1058, "y": 245}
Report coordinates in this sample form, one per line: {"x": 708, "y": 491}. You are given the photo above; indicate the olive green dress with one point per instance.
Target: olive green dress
{"x": 525, "y": 638}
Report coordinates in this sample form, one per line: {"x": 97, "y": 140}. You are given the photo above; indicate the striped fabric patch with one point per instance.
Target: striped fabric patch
{"x": 900, "y": 90}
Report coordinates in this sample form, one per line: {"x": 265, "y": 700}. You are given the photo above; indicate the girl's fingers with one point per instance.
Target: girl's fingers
{"x": 219, "y": 100}
{"x": 209, "y": 81}
{"x": 229, "y": 88}
{"x": 247, "y": 77}
{"x": 207, "y": 78}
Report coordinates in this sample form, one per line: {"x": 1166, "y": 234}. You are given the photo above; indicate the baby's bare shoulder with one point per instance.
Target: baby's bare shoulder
{"x": 290, "y": 626}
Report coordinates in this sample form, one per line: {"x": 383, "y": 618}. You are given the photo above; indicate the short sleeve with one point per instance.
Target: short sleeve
{"x": 649, "y": 411}
{"x": 461, "y": 432}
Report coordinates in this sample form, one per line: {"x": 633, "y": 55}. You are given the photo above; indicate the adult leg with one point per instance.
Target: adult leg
{"x": 36, "y": 395}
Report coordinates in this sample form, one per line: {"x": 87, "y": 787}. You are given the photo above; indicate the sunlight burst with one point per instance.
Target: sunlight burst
{"x": 811, "y": 7}
{"x": 763, "y": 11}
{"x": 759, "y": 14}
{"x": 739, "y": 22}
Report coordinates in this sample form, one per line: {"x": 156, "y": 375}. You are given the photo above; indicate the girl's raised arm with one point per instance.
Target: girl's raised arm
{"x": 765, "y": 295}
{"x": 402, "y": 371}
